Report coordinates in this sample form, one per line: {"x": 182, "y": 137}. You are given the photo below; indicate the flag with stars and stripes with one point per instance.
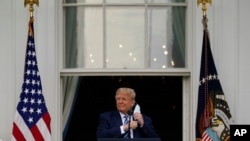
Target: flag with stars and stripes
{"x": 213, "y": 114}
{"x": 32, "y": 119}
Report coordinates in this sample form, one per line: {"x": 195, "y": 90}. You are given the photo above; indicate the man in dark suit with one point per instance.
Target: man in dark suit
{"x": 111, "y": 124}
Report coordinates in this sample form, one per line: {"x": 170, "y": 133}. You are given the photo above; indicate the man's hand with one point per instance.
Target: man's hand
{"x": 133, "y": 125}
{"x": 138, "y": 117}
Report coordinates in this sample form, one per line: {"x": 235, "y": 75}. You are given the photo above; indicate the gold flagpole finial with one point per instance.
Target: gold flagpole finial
{"x": 204, "y": 6}
{"x": 31, "y": 3}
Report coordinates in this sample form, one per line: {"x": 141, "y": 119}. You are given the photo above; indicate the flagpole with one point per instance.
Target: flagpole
{"x": 31, "y": 3}
{"x": 32, "y": 119}
{"x": 204, "y": 5}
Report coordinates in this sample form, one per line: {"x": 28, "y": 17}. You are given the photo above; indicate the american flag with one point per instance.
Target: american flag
{"x": 32, "y": 119}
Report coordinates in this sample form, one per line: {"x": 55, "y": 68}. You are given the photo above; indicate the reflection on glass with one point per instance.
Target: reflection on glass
{"x": 90, "y": 37}
{"x": 84, "y": 38}
{"x": 125, "y": 37}
{"x": 164, "y": 41}
{"x": 160, "y": 37}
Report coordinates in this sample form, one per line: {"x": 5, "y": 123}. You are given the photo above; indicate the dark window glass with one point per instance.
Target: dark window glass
{"x": 159, "y": 97}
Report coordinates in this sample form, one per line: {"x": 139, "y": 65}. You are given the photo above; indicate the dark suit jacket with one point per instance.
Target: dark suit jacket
{"x": 110, "y": 122}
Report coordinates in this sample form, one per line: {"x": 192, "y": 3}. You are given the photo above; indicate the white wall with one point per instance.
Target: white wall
{"x": 228, "y": 26}
{"x": 13, "y": 36}
{"x": 243, "y": 64}
{"x": 7, "y": 71}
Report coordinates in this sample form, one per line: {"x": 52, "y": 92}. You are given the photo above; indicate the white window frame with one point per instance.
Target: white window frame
{"x": 188, "y": 94}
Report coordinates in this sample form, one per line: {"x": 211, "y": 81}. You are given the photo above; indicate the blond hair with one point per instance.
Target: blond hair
{"x": 126, "y": 90}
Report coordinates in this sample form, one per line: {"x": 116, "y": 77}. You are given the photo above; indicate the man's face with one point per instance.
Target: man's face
{"x": 124, "y": 102}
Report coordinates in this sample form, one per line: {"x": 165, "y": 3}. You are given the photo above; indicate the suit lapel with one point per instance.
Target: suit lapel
{"x": 117, "y": 118}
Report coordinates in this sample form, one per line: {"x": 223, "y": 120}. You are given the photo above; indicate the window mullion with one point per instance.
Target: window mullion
{"x": 147, "y": 57}
{"x": 104, "y": 34}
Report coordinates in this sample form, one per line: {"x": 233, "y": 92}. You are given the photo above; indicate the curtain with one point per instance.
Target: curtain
{"x": 179, "y": 35}
{"x": 70, "y": 83}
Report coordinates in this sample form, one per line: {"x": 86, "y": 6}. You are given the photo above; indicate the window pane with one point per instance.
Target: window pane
{"x": 87, "y": 50}
{"x": 90, "y": 37}
{"x": 179, "y": 39}
{"x": 70, "y": 50}
{"x": 131, "y": 37}
{"x": 165, "y": 42}
{"x": 125, "y": 37}
{"x": 83, "y": 1}
{"x": 165, "y": 1}
{"x": 121, "y": 1}
{"x": 160, "y": 37}
{"x": 125, "y": 1}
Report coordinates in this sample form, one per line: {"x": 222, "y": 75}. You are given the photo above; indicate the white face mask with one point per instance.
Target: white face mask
{"x": 137, "y": 109}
